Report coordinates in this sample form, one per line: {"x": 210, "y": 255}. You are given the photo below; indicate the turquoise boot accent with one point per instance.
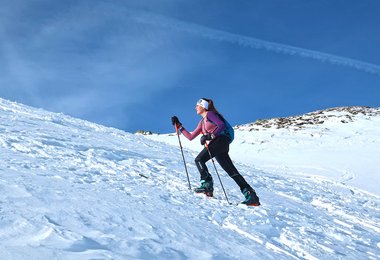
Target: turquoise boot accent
{"x": 251, "y": 198}
{"x": 207, "y": 187}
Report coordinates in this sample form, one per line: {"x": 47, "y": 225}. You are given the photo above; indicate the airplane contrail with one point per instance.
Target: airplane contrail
{"x": 251, "y": 42}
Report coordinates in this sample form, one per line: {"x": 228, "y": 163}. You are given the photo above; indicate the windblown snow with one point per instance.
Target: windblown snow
{"x": 71, "y": 189}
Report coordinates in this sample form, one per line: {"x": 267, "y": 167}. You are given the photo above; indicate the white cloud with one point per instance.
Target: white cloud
{"x": 246, "y": 41}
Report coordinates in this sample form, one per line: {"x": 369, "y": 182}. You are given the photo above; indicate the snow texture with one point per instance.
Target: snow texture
{"x": 71, "y": 189}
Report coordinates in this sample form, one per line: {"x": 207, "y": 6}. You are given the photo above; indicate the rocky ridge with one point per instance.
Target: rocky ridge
{"x": 343, "y": 115}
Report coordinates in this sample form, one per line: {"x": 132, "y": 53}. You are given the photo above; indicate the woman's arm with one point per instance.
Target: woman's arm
{"x": 193, "y": 134}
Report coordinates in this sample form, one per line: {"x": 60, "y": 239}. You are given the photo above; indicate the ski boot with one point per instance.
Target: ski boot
{"x": 207, "y": 187}
{"x": 251, "y": 198}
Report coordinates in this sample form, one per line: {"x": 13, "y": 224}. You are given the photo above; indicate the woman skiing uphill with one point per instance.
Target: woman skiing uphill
{"x": 213, "y": 128}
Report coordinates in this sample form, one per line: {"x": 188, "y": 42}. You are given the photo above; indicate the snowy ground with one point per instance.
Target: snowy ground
{"x": 70, "y": 189}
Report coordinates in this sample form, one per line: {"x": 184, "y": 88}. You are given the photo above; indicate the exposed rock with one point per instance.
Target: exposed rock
{"x": 343, "y": 115}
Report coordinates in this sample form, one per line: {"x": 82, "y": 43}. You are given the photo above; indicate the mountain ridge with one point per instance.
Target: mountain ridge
{"x": 347, "y": 114}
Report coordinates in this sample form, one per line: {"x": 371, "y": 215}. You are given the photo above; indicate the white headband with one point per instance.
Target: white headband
{"x": 203, "y": 103}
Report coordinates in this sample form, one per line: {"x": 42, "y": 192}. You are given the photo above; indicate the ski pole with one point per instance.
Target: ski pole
{"x": 183, "y": 157}
{"x": 220, "y": 180}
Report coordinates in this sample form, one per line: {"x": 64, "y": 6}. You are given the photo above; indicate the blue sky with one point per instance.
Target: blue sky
{"x": 133, "y": 64}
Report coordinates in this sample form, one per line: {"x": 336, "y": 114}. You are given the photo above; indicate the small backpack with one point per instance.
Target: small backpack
{"x": 228, "y": 130}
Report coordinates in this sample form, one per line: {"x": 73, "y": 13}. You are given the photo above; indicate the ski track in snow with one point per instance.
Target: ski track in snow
{"x": 70, "y": 189}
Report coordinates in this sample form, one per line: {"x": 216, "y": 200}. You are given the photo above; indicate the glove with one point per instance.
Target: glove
{"x": 206, "y": 137}
{"x": 176, "y": 122}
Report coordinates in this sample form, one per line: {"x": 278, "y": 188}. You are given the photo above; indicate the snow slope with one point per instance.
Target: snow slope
{"x": 70, "y": 189}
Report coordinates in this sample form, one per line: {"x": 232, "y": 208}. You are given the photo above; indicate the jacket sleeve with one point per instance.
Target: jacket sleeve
{"x": 193, "y": 134}
{"x": 220, "y": 125}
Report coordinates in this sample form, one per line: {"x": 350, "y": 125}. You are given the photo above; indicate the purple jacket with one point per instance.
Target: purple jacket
{"x": 211, "y": 123}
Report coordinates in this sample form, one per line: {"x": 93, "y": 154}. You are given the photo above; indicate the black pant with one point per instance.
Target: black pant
{"x": 219, "y": 148}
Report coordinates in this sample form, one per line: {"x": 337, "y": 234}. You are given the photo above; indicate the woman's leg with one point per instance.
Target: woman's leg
{"x": 207, "y": 184}
{"x": 225, "y": 161}
{"x": 219, "y": 148}
{"x": 200, "y": 162}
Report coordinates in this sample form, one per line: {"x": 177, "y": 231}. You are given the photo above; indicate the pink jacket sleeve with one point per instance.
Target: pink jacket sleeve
{"x": 193, "y": 134}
